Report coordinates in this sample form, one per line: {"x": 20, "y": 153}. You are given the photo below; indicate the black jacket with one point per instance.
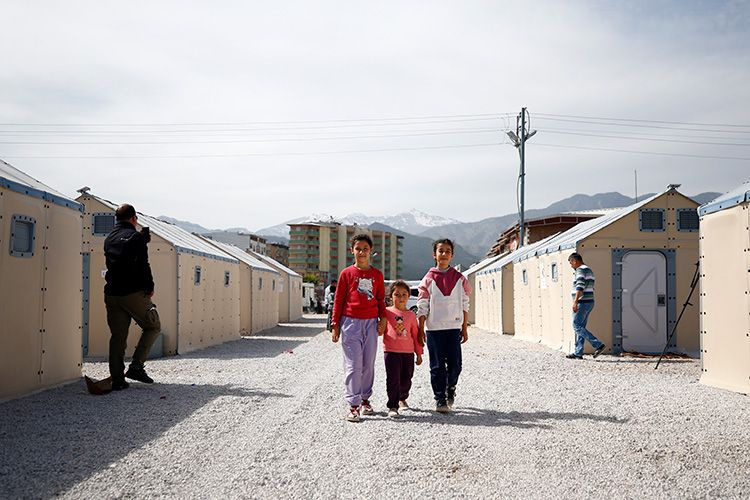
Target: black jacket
{"x": 128, "y": 270}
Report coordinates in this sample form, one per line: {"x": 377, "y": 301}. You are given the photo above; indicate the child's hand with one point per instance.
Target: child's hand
{"x": 464, "y": 335}
{"x": 335, "y": 333}
{"x": 419, "y": 359}
{"x": 381, "y": 327}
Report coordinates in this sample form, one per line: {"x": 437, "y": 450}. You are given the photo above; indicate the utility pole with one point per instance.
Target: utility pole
{"x": 519, "y": 138}
{"x": 522, "y": 177}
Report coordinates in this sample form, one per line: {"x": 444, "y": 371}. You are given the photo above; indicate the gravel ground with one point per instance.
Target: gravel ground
{"x": 263, "y": 417}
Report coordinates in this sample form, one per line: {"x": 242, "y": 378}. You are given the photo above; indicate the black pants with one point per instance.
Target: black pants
{"x": 399, "y": 369}
{"x": 444, "y": 347}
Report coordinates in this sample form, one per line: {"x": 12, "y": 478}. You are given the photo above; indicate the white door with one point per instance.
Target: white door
{"x": 644, "y": 302}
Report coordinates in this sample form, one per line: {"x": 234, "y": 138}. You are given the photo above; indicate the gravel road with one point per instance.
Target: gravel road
{"x": 262, "y": 417}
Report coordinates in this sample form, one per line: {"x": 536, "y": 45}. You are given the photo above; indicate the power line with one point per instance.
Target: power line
{"x": 649, "y": 139}
{"x": 696, "y": 124}
{"x": 640, "y": 125}
{"x": 655, "y": 134}
{"x": 657, "y": 153}
{"x": 240, "y": 141}
{"x": 272, "y": 122}
{"x": 240, "y": 155}
{"x": 262, "y": 129}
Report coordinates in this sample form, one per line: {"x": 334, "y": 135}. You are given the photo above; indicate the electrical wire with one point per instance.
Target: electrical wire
{"x": 745, "y": 144}
{"x": 543, "y": 118}
{"x": 242, "y": 155}
{"x": 696, "y": 124}
{"x": 240, "y": 141}
{"x": 272, "y": 122}
{"x": 658, "y": 153}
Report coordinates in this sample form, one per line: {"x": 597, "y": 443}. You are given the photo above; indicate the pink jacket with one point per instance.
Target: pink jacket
{"x": 402, "y": 332}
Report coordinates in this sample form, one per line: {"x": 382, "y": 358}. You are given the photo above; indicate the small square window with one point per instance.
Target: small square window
{"x": 553, "y": 271}
{"x": 102, "y": 224}
{"x": 651, "y": 220}
{"x": 687, "y": 220}
{"x": 197, "y": 275}
{"x": 226, "y": 278}
{"x": 22, "y": 236}
{"x": 525, "y": 277}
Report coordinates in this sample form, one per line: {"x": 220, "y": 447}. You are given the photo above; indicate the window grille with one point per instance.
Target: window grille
{"x": 102, "y": 224}
{"x": 687, "y": 220}
{"x": 651, "y": 220}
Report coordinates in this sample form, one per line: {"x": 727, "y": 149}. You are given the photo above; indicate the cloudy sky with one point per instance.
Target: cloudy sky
{"x": 252, "y": 113}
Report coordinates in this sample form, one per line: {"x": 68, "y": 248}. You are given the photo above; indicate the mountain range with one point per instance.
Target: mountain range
{"x": 419, "y": 229}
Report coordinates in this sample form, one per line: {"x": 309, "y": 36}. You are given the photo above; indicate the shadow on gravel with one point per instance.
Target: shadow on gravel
{"x": 469, "y": 416}
{"x": 265, "y": 344}
{"x": 628, "y": 359}
{"x": 51, "y": 441}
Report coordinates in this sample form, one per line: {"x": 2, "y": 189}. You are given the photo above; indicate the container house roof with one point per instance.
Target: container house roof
{"x": 571, "y": 237}
{"x": 275, "y": 264}
{"x": 182, "y": 240}
{"x": 483, "y": 264}
{"x": 15, "y": 180}
{"x": 241, "y": 255}
{"x": 740, "y": 194}
{"x": 516, "y": 255}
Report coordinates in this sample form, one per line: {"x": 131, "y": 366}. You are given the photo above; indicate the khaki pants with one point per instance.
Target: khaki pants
{"x": 120, "y": 310}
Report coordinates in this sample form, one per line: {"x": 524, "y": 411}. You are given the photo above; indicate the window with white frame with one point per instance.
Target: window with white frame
{"x": 553, "y": 271}
{"x": 197, "y": 275}
{"x": 525, "y": 277}
{"x": 260, "y": 283}
{"x": 226, "y": 278}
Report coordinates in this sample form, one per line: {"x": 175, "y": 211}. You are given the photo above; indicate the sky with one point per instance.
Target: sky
{"x": 248, "y": 114}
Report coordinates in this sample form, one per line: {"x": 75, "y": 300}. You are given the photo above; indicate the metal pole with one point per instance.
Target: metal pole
{"x": 521, "y": 151}
{"x": 636, "y": 185}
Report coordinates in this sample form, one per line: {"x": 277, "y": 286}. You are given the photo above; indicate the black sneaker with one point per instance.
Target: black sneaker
{"x": 574, "y": 356}
{"x": 450, "y": 396}
{"x": 118, "y": 385}
{"x": 599, "y": 350}
{"x": 139, "y": 375}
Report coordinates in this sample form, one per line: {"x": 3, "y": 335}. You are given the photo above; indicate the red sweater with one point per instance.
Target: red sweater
{"x": 359, "y": 294}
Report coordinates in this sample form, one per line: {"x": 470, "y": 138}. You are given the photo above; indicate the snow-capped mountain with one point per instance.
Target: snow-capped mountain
{"x": 414, "y": 221}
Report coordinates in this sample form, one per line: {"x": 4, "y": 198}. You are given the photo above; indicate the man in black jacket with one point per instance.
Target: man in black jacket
{"x": 127, "y": 295}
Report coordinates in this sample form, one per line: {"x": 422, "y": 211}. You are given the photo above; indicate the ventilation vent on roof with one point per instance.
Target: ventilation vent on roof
{"x": 687, "y": 220}
{"x": 651, "y": 219}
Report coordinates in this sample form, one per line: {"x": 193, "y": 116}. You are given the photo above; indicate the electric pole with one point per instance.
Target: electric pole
{"x": 519, "y": 138}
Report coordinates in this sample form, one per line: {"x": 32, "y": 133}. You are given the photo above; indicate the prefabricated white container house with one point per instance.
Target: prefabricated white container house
{"x": 40, "y": 289}
{"x": 289, "y": 288}
{"x": 196, "y": 285}
{"x": 643, "y": 257}
{"x": 725, "y": 290}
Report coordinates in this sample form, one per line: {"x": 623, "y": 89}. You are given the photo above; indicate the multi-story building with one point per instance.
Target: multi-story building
{"x": 537, "y": 229}
{"x": 246, "y": 241}
{"x": 322, "y": 249}
{"x": 278, "y": 252}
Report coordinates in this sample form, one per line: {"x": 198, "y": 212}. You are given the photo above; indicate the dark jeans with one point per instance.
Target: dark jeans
{"x": 120, "y": 311}
{"x": 399, "y": 369}
{"x": 444, "y": 347}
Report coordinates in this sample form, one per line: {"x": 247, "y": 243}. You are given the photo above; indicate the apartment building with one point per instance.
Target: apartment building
{"x": 322, "y": 249}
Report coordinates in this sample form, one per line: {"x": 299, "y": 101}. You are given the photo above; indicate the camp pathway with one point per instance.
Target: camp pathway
{"x": 262, "y": 417}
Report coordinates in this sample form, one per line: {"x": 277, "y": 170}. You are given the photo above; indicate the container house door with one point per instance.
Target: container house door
{"x": 644, "y": 302}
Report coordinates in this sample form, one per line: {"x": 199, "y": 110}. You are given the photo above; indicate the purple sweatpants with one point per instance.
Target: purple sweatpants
{"x": 359, "y": 338}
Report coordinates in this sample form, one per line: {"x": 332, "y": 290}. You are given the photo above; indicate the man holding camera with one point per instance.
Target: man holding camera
{"x": 127, "y": 296}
